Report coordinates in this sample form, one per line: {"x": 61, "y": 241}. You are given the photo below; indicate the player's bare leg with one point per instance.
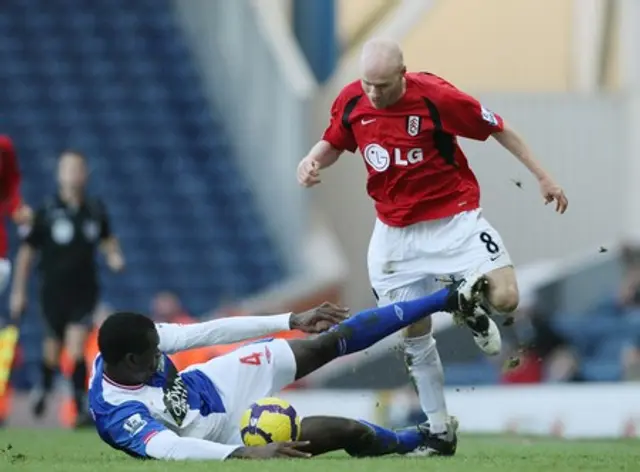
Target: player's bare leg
{"x": 75, "y": 340}
{"x": 51, "y": 353}
{"x": 502, "y": 291}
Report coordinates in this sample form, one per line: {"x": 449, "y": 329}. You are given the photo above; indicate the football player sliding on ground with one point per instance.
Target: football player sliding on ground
{"x": 143, "y": 406}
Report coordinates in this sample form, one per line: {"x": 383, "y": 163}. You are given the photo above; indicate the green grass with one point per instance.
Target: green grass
{"x": 63, "y": 451}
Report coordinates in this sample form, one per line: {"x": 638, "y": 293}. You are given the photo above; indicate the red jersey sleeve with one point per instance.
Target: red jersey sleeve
{"x": 337, "y": 133}
{"x": 464, "y": 116}
{"x": 9, "y": 177}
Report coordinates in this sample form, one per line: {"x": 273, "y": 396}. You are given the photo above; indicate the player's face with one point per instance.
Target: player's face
{"x": 383, "y": 90}
{"x": 145, "y": 364}
{"x": 72, "y": 171}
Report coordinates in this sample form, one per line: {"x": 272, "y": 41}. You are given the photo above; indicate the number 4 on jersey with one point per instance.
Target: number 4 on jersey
{"x": 252, "y": 359}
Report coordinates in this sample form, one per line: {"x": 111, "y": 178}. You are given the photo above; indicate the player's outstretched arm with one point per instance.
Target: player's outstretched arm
{"x": 337, "y": 137}
{"x": 18, "y": 298}
{"x": 516, "y": 145}
{"x": 130, "y": 427}
{"x": 167, "y": 445}
{"x": 176, "y": 337}
{"x": 324, "y": 154}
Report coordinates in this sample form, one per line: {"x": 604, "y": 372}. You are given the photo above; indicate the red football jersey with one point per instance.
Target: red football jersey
{"x": 417, "y": 171}
{"x": 9, "y": 187}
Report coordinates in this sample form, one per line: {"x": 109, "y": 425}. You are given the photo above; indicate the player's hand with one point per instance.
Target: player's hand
{"x": 319, "y": 319}
{"x": 309, "y": 172}
{"x": 551, "y": 191}
{"x": 115, "y": 261}
{"x": 23, "y": 215}
{"x": 278, "y": 450}
{"x": 17, "y": 304}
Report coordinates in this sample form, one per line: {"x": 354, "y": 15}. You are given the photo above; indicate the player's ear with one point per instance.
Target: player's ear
{"x": 131, "y": 360}
{"x": 403, "y": 71}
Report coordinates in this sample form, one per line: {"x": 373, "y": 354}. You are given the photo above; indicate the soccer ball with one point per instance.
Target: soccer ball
{"x": 269, "y": 420}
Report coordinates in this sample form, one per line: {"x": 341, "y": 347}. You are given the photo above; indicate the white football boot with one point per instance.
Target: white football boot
{"x": 485, "y": 331}
{"x": 469, "y": 293}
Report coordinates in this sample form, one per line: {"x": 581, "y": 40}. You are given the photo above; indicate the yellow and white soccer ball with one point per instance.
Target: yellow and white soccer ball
{"x": 269, "y": 420}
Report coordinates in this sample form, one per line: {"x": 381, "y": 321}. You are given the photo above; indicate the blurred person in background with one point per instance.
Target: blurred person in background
{"x": 65, "y": 234}
{"x": 630, "y": 360}
{"x": 629, "y": 293}
{"x": 429, "y": 221}
{"x": 629, "y": 298}
{"x": 12, "y": 205}
{"x": 545, "y": 356}
{"x": 167, "y": 308}
{"x": 68, "y": 414}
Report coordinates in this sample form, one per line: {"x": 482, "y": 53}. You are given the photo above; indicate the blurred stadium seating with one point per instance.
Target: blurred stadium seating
{"x": 114, "y": 80}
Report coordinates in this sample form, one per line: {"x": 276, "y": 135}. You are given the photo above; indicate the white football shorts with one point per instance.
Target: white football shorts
{"x": 246, "y": 375}
{"x": 410, "y": 262}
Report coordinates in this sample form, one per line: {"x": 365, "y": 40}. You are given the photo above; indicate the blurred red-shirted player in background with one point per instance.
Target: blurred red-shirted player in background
{"x": 11, "y": 203}
{"x": 429, "y": 221}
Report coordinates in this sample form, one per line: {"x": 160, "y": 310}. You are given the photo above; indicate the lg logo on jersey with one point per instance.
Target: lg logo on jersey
{"x": 379, "y": 158}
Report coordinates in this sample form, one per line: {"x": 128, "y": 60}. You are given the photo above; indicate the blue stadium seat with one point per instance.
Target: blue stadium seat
{"x": 602, "y": 370}
{"x": 475, "y": 373}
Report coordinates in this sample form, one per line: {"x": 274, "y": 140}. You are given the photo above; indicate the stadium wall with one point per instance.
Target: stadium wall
{"x": 258, "y": 80}
{"x": 517, "y": 45}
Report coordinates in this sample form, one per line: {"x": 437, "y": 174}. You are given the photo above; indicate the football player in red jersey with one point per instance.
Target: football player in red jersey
{"x": 429, "y": 221}
{"x": 11, "y": 203}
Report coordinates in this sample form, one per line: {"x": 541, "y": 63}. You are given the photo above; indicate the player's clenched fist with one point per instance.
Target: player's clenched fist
{"x": 308, "y": 172}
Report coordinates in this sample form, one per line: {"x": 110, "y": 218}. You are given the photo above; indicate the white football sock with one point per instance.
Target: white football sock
{"x": 425, "y": 368}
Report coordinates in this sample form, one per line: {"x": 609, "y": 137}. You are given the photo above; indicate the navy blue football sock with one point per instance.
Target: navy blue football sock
{"x": 386, "y": 441}
{"x": 366, "y": 328}
{"x": 408, "y": 440}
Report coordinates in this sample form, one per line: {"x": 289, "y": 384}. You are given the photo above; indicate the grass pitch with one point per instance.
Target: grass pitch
{"x": 67, "y": 451}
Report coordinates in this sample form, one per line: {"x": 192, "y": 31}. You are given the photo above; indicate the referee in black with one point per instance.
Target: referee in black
{"x": 65, "y": 234}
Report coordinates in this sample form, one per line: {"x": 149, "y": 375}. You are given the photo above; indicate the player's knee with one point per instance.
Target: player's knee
{"x": 75, "y": 342}
{"x": 351, "y": 430}
{"x": 505, "y": 299}
{"x": 75, "y": 351}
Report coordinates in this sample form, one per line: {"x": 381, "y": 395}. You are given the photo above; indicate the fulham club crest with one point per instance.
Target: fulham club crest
{"x": 413, "y": 125}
